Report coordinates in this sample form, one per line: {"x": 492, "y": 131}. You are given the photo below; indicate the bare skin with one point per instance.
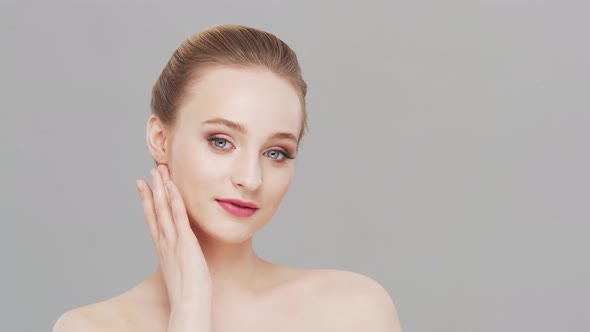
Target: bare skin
{"x": 313, "y": 300}
{"x": 209, "y": 278}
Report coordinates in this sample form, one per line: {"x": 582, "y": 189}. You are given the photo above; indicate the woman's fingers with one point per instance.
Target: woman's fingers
{"x": 176, "y": 203}
{"x": 177, "y": 207}
{"x": 149, "y": 214}
{"x": 163, "y": 213}
{"x": 164, "y": 172}
{"x": 178, "y": 210}
{"x": 164, "y": 209}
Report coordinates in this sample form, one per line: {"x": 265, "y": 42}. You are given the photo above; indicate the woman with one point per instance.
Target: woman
{"x": 228, "y": 116}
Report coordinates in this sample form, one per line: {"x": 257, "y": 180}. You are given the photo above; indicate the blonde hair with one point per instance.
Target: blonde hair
{"x": 229, "y": 45}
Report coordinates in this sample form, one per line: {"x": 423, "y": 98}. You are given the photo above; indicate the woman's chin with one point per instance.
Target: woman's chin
{"x": 225, "y": 230}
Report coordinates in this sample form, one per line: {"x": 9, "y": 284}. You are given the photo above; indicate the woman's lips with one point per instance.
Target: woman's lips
{"x": 236, "y": 210}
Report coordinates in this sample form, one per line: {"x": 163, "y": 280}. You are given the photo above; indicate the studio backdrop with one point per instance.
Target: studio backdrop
{"x": 447, "y": 155}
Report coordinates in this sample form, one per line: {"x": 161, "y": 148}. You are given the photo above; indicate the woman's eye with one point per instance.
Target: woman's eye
{"x": 223, "y": 144}
{"x": 219, "y": 143}
{"x": 276, "y": 154}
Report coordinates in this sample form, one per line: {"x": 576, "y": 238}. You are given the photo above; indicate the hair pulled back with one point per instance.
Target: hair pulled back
{"x": 225, "y": 45}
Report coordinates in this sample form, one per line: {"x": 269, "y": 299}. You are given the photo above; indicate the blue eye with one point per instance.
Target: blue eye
{"x": 275, "y": 154}
{"x": 223, "y": 144}
{"x": 219, "y": 143}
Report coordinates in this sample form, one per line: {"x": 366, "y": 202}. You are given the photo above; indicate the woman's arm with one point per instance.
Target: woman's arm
{"x": 194, "y": 318}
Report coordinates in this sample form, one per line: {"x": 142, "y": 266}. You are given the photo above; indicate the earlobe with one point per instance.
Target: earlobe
{"x": 156, "y": 139}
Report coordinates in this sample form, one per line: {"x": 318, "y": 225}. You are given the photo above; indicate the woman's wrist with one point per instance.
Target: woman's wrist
{"x": 185, "y": 318}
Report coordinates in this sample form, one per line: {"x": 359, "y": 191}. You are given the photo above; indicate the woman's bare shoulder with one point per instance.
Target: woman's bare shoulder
{"x": 328, "y": 300}
{"x": 83, "y": 319}
{"x": 96, "y": 317}
{"x": 364, "y": 303}
{"x": 342, "y": 282}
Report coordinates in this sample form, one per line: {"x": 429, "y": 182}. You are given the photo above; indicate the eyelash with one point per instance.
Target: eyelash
{"x": 212, "y": 139}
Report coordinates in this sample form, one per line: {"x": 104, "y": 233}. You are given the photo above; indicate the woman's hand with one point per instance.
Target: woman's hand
{"x": 183, "y": 265}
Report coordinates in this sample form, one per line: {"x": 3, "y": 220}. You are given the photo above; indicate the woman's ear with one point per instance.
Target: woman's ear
{"x": 157, "y": 140}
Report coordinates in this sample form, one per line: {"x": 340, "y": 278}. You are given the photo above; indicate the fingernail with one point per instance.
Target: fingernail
{"x": 139, "y": 185}
{"x": 161, "y": 169}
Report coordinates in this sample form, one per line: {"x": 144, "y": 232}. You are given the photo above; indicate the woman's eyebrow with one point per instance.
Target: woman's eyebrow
{"x": 233, "y": 125}
{"x": 242, "y": 129}
{"x": 288, "y": 136}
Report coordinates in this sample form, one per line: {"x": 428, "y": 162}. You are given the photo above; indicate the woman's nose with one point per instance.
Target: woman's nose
{"x": 247, "y": 174}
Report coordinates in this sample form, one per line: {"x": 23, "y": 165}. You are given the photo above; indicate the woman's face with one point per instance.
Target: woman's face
{"x": 234, "y": 138}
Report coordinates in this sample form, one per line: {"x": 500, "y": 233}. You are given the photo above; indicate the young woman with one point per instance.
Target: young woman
{"x": 228, "y": 116}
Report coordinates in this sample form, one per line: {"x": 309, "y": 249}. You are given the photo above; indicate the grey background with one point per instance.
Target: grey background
{"x": 447, "y": 156}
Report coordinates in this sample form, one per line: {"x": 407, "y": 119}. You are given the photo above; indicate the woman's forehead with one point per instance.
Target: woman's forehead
{"x": 252, "y": 97}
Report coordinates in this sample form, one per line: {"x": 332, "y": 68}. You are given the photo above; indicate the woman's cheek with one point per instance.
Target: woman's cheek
{"x": 203, "y": 162}
{"x": 280, "y": 182}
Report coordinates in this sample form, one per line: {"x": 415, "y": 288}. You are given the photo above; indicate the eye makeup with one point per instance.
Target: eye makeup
{"x": 220, "y": 143}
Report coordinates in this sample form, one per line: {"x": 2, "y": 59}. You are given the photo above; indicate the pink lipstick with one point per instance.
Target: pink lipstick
{"x": 238, "y": 208}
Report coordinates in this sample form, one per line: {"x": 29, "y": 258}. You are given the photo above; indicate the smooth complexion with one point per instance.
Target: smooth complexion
{"x": 235, "y": 138}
